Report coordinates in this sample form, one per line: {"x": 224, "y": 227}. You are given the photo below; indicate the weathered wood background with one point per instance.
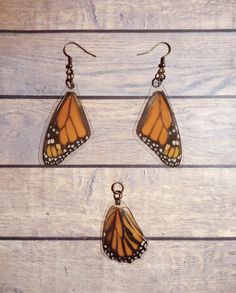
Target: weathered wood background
{"x": 50, "y": 219}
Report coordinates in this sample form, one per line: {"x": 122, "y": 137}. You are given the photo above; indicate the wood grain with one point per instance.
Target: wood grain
{"x": 207, "y": 127}
{"x": 202, "y": 14}
{"x": 199, "y": 64}
{"x": 72, "y": 202}
{"x": 80, "y": 267}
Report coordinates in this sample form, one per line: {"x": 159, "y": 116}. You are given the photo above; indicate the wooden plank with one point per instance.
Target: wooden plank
{"x": 35, "y": 65}
{"x": 207, "y": 129}
{"x": 152, "y": 14}
{"x": 72, "y": 202}
{"x": 81, "y": 267}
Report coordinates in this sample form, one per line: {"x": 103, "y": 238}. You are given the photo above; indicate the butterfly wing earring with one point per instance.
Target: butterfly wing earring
{"x": 157, "y": 126}
{"x": 122, "y": 239}
{"x": 68, "y": 127}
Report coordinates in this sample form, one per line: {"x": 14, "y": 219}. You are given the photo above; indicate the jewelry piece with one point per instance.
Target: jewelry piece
{"x": 68, "y": 126}
{"x": 122, "y": 239}
{"x": 157, "y": 126}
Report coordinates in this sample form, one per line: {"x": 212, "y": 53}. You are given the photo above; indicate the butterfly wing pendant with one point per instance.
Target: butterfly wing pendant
{"x": 122, "y": 239}
{"x": 158, "y": 129}
{"x": 68, "y": 129}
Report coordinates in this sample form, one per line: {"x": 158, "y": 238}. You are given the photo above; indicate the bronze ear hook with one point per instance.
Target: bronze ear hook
{"x": 160, "y": 43}
{"x": 69, "y": 66}
{"x": 160, "y": 75}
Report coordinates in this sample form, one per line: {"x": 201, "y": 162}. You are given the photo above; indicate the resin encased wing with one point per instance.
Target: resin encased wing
{"x": 68, "y": 129}
{"x": 122, "y": 239}
{"x": 158, "y": 129}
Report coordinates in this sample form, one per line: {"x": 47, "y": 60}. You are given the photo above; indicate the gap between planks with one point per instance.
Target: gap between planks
{"x": 122, "y": 166}
{"x": 136, "y": 31}
{"x": 97, "y": 238}
{"x": 40, "y": 97}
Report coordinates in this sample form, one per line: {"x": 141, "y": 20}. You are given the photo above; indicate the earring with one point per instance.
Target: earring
{"x": 122, "y": 239}
{"x": 68, "y": 127}
{"x": 157, "y": 126}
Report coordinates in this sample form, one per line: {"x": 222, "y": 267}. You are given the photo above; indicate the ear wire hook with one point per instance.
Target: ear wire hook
{"x": 160, "y": 75}
{"x": 64, "y": 49}
{"x": 160, "y": 43}
{"x": 69, "y": 66}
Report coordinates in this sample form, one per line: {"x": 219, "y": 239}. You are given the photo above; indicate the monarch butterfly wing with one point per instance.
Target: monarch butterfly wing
{"x": 135, "y": 243}
{"x": 122, "y": 239}
{"x": 109, "y": 234}
{"x": 68, "y": 129}
{"x": 158, "y": 129}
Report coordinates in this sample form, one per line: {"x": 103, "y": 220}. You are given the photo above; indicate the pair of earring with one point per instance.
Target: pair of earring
{"x": 68, "y": 128}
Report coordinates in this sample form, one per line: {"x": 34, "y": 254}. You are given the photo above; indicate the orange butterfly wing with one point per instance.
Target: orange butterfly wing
{"x": 68, "y": 130}
{"x": 158, "y": 129}
{"x": 122, "y": 238}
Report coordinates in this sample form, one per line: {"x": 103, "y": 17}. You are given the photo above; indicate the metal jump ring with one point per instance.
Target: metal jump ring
{"x": 117, "y": 195}
{"x": 156, "y": 82}
{"x": 119, "y": 190}
{"x": 70, "y": 84}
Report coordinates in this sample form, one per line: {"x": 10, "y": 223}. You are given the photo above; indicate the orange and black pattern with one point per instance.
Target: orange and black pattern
{"x": 158, "y": 129}
{"x": 122, "y": 239}
{"x": 68, "y": 130}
